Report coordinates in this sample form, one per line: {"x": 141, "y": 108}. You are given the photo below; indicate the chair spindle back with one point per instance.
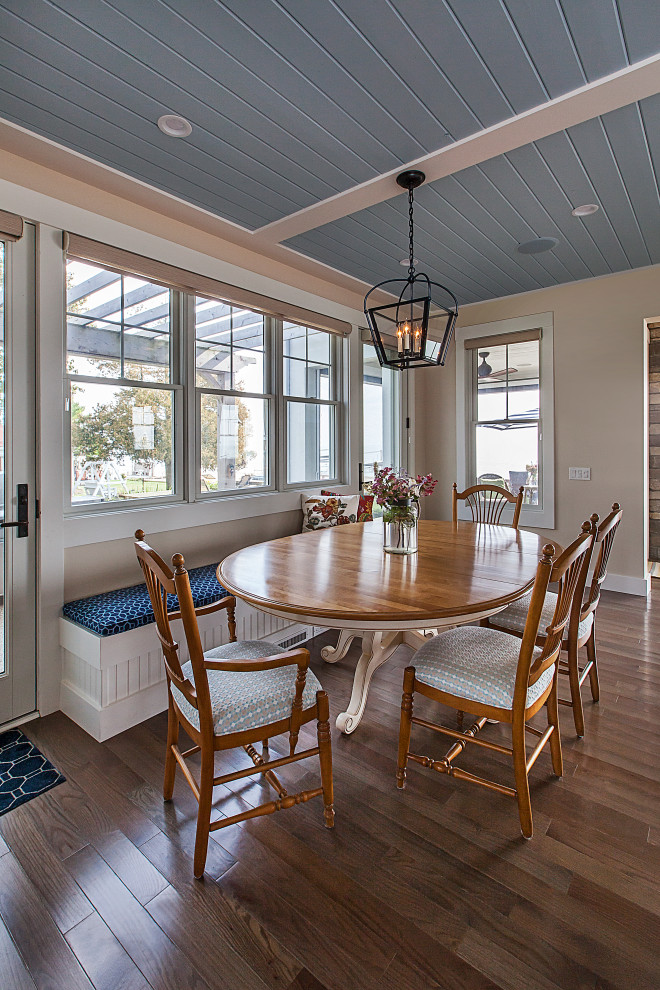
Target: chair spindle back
{"x": 569, "y": 572}
{"x": 604, "y": 538}
{"x": 487, "y": 503}
{"x": 161, "y": 581}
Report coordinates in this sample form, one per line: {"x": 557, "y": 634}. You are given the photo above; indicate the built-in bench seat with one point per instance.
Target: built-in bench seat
{"x": 113, "y": 676}
{"x": 129, "y": 608}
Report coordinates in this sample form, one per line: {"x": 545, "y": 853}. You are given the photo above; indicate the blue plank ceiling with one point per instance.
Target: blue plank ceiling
{"x": 293, "y": 101}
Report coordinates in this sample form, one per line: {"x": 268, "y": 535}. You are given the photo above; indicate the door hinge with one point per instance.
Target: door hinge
{"x": 407, "y": 422}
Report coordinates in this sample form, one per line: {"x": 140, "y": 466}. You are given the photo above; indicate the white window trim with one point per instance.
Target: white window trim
{"x": 187, "y": 432}
{"x": 536, "y": 517}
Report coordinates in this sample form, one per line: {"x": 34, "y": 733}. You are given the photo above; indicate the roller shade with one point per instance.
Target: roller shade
{"x": 499, "y": 339}
{"x": 117, "y": 259}
{"x": 11, "y": 226}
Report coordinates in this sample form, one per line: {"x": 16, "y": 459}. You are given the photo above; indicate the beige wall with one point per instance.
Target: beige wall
{"x": 97, "y": 568}
{"x": 600, "y": 396}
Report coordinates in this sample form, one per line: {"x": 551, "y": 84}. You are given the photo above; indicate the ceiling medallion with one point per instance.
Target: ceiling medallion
{"x": 400, "y": 330}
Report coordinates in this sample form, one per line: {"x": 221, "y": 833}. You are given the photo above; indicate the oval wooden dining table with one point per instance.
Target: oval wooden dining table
{"x": 342, "y": 579}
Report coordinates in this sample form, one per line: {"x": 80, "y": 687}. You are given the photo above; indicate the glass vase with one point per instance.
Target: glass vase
{"x": 400, "y": 526}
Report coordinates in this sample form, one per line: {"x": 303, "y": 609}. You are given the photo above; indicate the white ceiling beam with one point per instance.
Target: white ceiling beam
{"x": 635, "y": 82}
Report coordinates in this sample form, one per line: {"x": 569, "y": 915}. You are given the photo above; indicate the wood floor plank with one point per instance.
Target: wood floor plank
{"x": 163, "y": 964}
{"x": 110, "y": 792}
{"x": 507, "y": 969}
{"x": 208, "y": 908}
{"x": 131, "y": 866}
{"x": 50, "y": 961}
{"x": 107, "y": 964}
{"x": 326, "y": 891}
{"x": 13, "y": 970}
{"x": 50, "y": 878}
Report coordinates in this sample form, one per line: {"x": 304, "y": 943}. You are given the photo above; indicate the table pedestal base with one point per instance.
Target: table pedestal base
{"x": 377, "y": 647}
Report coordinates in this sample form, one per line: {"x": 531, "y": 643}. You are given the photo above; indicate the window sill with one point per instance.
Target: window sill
{"x": 103, "y": 527}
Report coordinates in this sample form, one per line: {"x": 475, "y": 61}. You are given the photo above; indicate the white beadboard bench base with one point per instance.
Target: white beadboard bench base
{"x": 114, "y": 682}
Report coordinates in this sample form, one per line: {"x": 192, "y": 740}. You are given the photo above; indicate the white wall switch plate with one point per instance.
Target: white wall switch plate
{"x": 579, "y": 474}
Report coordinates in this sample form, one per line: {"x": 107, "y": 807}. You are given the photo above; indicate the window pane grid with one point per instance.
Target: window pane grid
{"x": 233, "y": 408}
{"x": 118, "y": 326}
{"x": 308, "y": 358}
{"x": 122, "y": 392}
{"x": 126, "y": 422}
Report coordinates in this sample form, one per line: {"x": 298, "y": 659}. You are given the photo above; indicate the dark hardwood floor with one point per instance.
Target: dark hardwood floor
{"x": 428, "y": 887}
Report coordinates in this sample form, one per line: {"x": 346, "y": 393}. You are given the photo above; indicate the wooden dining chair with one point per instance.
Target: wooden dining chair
{"x": 493, "y": 675}
{"x": 582, "y": 625}
{"x": 487, "y": 503}
{"x": 232, "y": 696}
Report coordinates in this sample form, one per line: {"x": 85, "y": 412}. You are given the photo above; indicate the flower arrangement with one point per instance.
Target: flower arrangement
{"x": 390, "y": 487}
{"x": 399, "y": 494}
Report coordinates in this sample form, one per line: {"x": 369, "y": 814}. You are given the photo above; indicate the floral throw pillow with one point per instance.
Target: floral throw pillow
{"x": 365, "y": 511}
{"x": 321, "y": 512}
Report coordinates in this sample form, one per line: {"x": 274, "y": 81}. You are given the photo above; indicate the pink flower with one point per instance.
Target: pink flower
{"x": 388, "y": 486}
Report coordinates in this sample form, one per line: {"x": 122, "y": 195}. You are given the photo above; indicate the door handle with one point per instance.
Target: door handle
{"x": 22, "y": 522}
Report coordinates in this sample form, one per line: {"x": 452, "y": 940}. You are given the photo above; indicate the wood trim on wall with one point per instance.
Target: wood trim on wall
{"x": 120, "y": 260}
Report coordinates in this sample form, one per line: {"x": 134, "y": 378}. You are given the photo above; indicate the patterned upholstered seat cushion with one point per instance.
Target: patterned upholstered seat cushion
{"x": 241, "y": 701}
{"x": 127, "y": 608}
{"x": 515, "y": 616}
{"x": 476, "y": 664}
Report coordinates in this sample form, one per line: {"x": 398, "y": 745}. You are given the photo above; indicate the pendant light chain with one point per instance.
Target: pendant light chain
{"x": 399, "y": 328}
{"x": 411, "y": 266}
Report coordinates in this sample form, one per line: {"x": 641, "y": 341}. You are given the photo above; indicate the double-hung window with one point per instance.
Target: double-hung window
{"x": 173, "y": 394}
{"x": 234, "y": 398}
{"x": 310, "y": 387}
{"x": 505, "y": 411}
{"x": 122, "y": 370}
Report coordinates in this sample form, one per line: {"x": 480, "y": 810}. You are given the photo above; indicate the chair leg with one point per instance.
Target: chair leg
{"x": 576, "y": 697}
{"x": 593, "y": 671}
{"x": 264, "y": 750}
{"x": 204, "y": 812}
{"x": 520, "y": 773}
{"x": 170, "y": 761}
{"x": 552, "y": 706}
{"x": 405, "y": 726}
{"x": 325, "y": 757}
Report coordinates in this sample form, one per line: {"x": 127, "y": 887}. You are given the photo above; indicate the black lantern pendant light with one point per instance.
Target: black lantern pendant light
{"x": 400, "y": 330}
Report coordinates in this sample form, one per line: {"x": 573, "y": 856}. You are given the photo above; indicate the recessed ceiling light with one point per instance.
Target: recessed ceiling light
{"x": 174, "y": 126}
{"x": 586, "y": 210}
{"x": 406, "y": 261}
{"x": 538, "y": 245}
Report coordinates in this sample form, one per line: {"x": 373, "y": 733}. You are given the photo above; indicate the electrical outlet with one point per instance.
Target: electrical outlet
{"x": 579, "y": 474}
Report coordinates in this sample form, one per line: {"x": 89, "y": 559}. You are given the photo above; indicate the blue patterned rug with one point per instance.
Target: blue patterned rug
{"x": 24, "y": 771}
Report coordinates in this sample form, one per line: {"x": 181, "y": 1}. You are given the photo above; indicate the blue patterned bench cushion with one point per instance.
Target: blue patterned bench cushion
{"x": 128, "y": 608}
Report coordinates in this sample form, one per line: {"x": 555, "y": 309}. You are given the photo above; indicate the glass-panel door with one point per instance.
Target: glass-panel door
{"x": 17, "y": 473}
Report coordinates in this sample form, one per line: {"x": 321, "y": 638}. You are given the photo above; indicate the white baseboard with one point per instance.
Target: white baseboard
{"x": 628, "y": 585}
{"x": 103, "y": 723}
